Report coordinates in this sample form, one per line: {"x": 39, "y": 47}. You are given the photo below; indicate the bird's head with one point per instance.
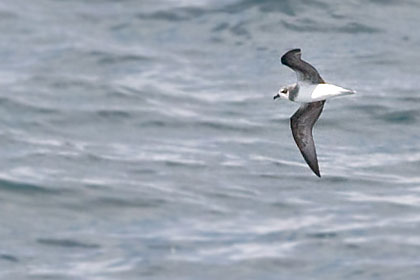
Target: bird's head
{"x": 283, "y": 93}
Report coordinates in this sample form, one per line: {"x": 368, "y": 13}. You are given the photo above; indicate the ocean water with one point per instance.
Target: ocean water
{"x": 140, "y": 140}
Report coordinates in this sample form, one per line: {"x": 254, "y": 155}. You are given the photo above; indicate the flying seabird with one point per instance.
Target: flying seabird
{"x": 311, "y": 91}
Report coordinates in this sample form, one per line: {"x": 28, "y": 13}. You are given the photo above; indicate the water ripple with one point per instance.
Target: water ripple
{"x": 68, "y": 243}
{"x": 25, "y": 187}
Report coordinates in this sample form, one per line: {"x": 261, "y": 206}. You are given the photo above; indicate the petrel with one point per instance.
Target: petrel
{"x": 310, "y": 91}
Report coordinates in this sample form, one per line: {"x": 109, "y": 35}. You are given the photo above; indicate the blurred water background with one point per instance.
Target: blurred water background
{"x": 139, "y": 140}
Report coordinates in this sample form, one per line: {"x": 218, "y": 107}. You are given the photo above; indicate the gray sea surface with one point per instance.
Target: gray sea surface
{"x": 140, "y": 140}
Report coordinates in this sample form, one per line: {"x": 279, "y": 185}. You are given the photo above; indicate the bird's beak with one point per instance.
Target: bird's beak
{"x": 276, "y": 96}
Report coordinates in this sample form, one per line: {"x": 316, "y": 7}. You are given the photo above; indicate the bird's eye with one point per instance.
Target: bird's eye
{"x": 284, "y": 90}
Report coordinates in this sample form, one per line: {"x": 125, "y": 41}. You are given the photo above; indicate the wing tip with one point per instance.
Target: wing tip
{"x": 288, "y": 53}
{"x": 294, "y": 50}
{"x": 315, "y": 169}
{"x": 313, "y": 165}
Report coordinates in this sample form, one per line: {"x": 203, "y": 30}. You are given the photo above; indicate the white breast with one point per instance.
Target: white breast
{"x": 325, "y": 91}
{"x": 312, "y": 93}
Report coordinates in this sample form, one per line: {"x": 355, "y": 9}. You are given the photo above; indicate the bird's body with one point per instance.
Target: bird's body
{"x": 316, "y": 92}
{"x": 311, "y": 91}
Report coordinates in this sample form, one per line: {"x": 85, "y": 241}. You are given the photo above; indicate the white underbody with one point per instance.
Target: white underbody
{"x": 311, "y": 93}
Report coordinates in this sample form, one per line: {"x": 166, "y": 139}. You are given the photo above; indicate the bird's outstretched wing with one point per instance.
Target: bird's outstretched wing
{"x": 305, "y": 72}
{"x": 302, "y": 122}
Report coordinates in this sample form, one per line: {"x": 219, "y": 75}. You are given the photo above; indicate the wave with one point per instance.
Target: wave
{"x": 10, "y": 258}
{"x": 68, "y": 243}
{"x": 25, "y": 187}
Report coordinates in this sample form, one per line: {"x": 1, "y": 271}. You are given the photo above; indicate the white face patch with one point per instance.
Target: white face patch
{"x": 283, "y": 93}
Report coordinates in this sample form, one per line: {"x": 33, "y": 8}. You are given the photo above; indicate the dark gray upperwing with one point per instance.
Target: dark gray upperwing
{"x": 302, "y": 122}
{"x": 305, "y": 71}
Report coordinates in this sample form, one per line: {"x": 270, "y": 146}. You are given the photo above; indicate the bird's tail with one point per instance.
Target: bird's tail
{"x": 346, "y": 91}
